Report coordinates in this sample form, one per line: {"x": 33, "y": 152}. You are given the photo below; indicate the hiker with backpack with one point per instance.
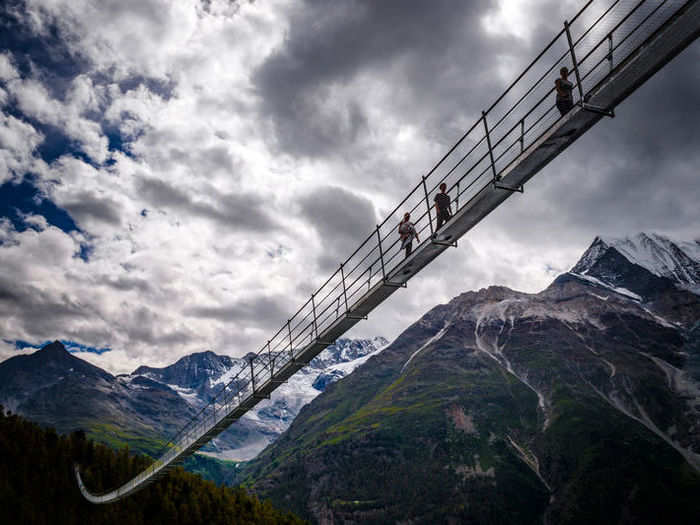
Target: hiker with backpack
{"x": 564, "y": 88}
{"x": 407, "y": 231}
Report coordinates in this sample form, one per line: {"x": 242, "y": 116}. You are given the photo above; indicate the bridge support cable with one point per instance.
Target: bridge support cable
{"x": 626, "y": 43}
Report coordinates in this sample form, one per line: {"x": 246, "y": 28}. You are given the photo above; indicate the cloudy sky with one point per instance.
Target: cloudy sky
{"x": 177, "y": 176}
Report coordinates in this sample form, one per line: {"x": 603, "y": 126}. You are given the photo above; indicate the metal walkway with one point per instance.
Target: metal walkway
{"x": 611, "y": 46}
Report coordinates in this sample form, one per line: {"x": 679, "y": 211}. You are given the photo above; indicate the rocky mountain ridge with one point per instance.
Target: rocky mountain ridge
{"x": 198, "y": 377}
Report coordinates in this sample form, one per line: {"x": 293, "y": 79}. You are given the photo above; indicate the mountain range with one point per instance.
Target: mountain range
{"x": 198, "y": 377}
{"x": 142, "y": 409}
{"x": 578, "y": 404}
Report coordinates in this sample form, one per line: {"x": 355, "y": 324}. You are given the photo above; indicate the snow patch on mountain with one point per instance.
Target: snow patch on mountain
{"x": 271, "y": 416}
{"x": 660, "y": 255}
{"x": 617, "y": 289}
{"x": 679, "y": 261}
{"x": 227, "y": 376}
{"x": 187, "y": 394}
{"x": 436, "y": 337}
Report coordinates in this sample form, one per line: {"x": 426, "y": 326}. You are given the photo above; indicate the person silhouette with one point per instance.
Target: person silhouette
{"x": 564, "y": 88}
{"x": 407, "y": 231}
{"x": 443, "y": 208}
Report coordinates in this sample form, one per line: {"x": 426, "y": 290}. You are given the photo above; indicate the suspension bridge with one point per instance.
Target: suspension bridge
{"x": 612, "y": 47}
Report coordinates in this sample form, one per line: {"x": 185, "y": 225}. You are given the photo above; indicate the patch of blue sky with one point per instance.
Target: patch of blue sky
{"x": 56, "y": 143}
{"x": 72, "y": 346}
{"x": 47, "y": 52}
{"x": 19, "y": 200}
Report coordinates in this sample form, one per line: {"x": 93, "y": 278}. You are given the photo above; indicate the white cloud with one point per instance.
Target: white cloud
{"x": 7, "y": 67}
{"x": 520, "y": 18}
{"x": 18, "y": 140}
{"x": 34, "y": 100}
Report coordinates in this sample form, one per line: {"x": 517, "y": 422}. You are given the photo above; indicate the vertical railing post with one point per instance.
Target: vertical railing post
{"x": 488, "y": 143}
{"x": 522, "y": 134}
{"x": 291, "y": 345}
{"x": 269, "y": 360}
{"x": 369, "y": 279}
{"x": 610, "y": 51}
{"x": 345, "y": 291}
{"x": 573, "y": 59}
{"x": 381, "y": 253}
{"x": 427, "y": 203}
{"x": 457, "y": 199}
{"x": 313, "y": 307}
{"x": 252, "y": 376}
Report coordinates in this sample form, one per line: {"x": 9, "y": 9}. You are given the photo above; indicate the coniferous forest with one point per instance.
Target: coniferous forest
{"x": 37, "y": 485}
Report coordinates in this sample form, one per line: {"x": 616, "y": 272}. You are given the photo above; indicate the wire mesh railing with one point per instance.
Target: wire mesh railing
{"x": 601, "y": 35}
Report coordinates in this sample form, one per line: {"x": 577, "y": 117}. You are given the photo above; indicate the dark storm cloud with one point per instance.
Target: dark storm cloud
{"x": 126, "y": 284}
{"x": 86, "y": 206}
{"x": 42, "y": 314}
{"x": 216, "y": 158}
{"x": 439, "y": 45}
{"x": 37, "y": 311}
{"x": 267, "y": 312}
{"x": 145, "y": 325}
{"x": 342, "y": 220}
{"x": 199, "y": 162}
{"x": 244, "y": 211}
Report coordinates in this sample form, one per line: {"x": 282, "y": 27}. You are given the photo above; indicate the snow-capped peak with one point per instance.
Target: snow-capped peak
{"x": 678, "y": 261}
{"x": 592, "y": 255}
{"x": 198, "y": 377}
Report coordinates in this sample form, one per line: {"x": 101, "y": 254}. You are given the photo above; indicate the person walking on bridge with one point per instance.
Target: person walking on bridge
{"x": 564, "y": 88}
{"x": 407, "y": 231}
{"x": 443, "y": 208}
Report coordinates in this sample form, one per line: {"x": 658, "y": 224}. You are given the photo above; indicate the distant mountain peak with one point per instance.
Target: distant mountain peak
{"x": 56, "y": 353}
{"x": 55, "y": 349}
{"x": 677, "y": 261}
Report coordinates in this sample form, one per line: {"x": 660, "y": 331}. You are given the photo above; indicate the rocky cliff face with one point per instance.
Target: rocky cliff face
{"x": 580, "y": 404}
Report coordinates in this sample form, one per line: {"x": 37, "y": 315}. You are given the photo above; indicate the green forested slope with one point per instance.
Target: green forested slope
{"x": 37, "y": 485}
